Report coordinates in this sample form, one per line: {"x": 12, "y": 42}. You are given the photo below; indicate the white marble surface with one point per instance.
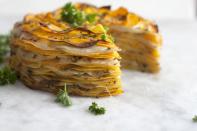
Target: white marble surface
{"x": 163, "y": 102}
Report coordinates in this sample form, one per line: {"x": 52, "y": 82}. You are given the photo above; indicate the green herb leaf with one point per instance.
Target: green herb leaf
{"x": 91, "y": 17}
{"x": 63, "y": 98}
{"x": 194, "y": 118}
{"x": 95, "y": 109}
{"x": 104, "y": 36}
{"x": 1, "y": 59}
{"x": 7, "y": 76}
{"x": 76, "y": 17}
{"x": 4, "y": 46}
{"x": 108, "y": 38}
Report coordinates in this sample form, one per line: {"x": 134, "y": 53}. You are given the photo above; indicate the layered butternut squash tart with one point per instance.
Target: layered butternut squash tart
{"x": 73, "y": 45}
{"x": 138, "y": 38}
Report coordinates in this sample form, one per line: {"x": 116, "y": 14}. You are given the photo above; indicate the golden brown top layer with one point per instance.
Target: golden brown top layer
{"x": 120, "y": 16}
{"x": 50, "y": 28}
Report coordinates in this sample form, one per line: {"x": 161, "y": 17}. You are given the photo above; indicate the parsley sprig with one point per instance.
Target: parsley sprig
{"x": 7, "y": 76}
{"x": 105, "y": 36}
{"x": 194, "y": 118}
{"x": 76, "y": 17}
{"x": 4, "y": 46}
{"x": 95, "y": 109}
{"x": 63, "y": 98}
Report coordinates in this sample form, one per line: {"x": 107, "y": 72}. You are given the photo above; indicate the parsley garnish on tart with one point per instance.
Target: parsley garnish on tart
{"x": 76, "y": 17}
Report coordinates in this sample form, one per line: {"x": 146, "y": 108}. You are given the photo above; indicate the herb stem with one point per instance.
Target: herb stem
{"x": 63, "y": 98}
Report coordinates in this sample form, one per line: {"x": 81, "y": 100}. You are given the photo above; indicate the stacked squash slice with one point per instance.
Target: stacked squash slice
{"x": 47, "y": 53}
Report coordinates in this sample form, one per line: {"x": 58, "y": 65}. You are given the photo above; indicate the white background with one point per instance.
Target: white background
{"x": 155, "y": 9}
